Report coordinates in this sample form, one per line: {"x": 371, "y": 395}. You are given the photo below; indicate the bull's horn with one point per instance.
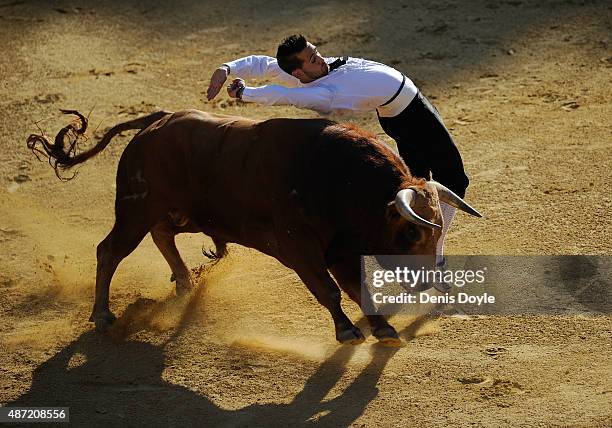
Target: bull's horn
{"x": 451, "y": 198}
{"x": 403, "y": 200}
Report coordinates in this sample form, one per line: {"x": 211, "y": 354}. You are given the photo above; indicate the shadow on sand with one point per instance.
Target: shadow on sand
{"x": 115, "y": 380}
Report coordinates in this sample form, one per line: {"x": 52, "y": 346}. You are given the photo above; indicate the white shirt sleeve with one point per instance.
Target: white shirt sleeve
{"x": 316, "y": 98}
{"x": 261, "y": 66}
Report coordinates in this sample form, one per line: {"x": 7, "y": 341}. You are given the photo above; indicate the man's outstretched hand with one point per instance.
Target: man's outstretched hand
{"x": 217, "y": 80}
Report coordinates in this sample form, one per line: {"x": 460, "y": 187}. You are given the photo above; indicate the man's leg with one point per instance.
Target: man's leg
{"x": 448, "y": 213}
{"x": 446, "y": 166}
{"x": 426, "y": 145}
{"x": 408, "y": 141}
{"x": 445, "y": 160}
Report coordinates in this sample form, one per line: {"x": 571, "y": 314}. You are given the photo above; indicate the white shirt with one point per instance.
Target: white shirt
{"x": 358, "y": 85}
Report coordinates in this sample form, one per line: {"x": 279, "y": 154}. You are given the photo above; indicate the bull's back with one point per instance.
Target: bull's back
{"x": 225, "y": 169}
{"x": 232, "y": 153}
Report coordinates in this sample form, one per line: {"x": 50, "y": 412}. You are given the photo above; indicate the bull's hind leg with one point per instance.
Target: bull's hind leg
{"x": 135, "y": 214}
{"x": 163, "y": 235}
{"x": 348, "y": 276}
{"x": 120, "y": 242}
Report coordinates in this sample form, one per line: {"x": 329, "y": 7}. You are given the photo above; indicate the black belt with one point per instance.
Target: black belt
{"x": 397, "y": 93}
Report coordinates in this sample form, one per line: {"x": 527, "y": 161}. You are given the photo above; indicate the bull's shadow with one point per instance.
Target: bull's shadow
{"x": 113, "y": 382}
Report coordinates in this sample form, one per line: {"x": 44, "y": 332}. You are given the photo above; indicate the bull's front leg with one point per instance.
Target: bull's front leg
{"x": 327, "y": 293}
{"x": 348, "y": 275}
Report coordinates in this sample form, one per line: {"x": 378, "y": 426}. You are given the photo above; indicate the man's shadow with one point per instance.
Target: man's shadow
{"x": 115, "y": 381}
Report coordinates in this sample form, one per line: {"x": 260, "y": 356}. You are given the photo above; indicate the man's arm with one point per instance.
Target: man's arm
{"x": 250, "y": 67}
{"x": 260, "y": 67}
{"x": 315, "y": 98}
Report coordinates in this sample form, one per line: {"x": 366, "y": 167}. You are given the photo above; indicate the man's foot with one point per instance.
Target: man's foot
{"x": 442, "y": 286}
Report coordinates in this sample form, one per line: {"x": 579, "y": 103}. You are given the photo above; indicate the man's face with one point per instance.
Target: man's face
{"x": 313, "y": 65}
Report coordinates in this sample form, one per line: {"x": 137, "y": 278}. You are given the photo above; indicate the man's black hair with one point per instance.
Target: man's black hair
{"x": 286, "y": 55}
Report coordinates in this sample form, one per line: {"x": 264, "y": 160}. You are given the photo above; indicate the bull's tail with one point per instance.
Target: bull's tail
{"x": 62, "y": 153}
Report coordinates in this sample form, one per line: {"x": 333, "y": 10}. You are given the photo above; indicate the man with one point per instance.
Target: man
{"x": 333, "y": 84}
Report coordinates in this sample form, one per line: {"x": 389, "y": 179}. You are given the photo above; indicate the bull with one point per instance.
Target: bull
{"x": 312, "y": 193}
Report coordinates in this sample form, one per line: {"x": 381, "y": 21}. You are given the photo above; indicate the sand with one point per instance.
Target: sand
{"x": 524, "y": 87}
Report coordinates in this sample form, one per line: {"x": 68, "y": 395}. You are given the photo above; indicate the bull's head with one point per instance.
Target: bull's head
{"x": 415, "y": 217}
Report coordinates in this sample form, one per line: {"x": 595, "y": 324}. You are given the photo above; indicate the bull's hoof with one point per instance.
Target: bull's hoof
{"x": 183, "y": 291}
{"x": 214, "y": 255}
{"x": 104, "y": 321}
{"x": 184, "y": 287}
{"x": 350, "y": 336}
{"x": 387, "y": 336}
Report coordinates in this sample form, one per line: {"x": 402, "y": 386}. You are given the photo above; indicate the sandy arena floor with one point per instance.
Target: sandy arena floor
{"x": 525, "y": 87}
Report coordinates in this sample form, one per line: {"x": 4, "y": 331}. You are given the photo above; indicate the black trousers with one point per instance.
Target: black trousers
{"x": 426, "y": 145}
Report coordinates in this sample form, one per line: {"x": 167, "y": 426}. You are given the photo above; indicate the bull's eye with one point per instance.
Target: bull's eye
{"x": 409, "y": 236}
{"x": 413, "y": 233}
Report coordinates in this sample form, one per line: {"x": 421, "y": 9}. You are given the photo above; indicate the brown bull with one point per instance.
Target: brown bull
{"x": 312, "y": 193}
